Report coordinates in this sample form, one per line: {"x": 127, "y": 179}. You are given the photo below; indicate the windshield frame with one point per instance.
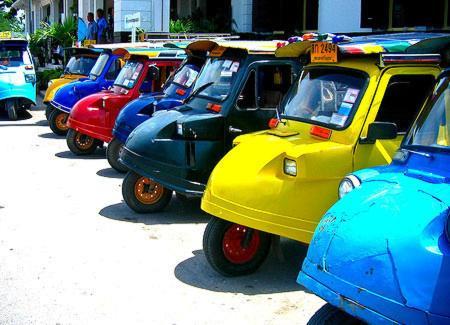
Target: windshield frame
{"x": 422, "y": 117}
{"x": 102, "y": 67}
{"x": 357, "y": 103}
{"x": 232, "y": 86}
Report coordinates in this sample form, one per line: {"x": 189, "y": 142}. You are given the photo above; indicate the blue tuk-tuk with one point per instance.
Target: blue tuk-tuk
{"x": 17, "y": 76}
{"x": 175, "y": 91}
{"x": 382, "y": 253}
{"x": 101, "y": 77}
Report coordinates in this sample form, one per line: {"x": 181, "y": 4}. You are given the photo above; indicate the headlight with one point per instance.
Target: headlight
{"x": 290, "y": 167}
{"x": 348, "y": 184}
{"x": 49, "y": 83}
{"x": 180, "y": 129}
{"x": 30, "y": 78}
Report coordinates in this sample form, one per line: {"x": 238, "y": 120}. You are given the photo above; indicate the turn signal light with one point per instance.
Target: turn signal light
{"x": 273, "y": 123}
{"x": 181, "y": 91}
{"x": 28, "y": 67}
{"x": 214, "y": 107}
{"x": 320, "y": 132}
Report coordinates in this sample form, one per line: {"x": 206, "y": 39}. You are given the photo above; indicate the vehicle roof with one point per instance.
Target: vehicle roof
{"x": 428, "y": 43}
{"x": 251, "y": 47}
{"x": 157, "y": 52}
{"x": 82, "y": 50}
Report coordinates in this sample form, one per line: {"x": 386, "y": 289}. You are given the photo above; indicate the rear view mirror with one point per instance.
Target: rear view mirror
{"x": 153, "y": 72}
{"x": 380, "y": 131}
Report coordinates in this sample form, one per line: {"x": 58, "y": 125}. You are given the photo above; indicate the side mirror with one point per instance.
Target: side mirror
{"x": 153, "y": 72}
{"x": 380, "y": 131}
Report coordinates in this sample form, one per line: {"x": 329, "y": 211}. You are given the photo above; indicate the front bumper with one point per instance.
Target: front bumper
{"x": 361, "y": 303}
{"x": 97, "y": 132}
{"x": 282, "y": 225}
{"x": 160, "y": 173}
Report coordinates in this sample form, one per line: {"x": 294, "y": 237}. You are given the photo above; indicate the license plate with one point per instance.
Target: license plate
{"x": 5, "y": 35}
{"x": 324, "y": 52}
{"x": 88, "y": 42}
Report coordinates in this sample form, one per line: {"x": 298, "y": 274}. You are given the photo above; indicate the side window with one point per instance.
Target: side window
{"x": 273, "y": 82}
{"x": 404, "y": 96}
{"x": 147, "y": 84}
{"x": 247, "y": 97}
{"x": 113, "y": 70}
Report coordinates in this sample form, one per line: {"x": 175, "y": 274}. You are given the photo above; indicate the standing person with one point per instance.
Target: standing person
{"x": 110, "y": 19}
{"x": 92, "y": 27}
{"x": 102, "y": 25}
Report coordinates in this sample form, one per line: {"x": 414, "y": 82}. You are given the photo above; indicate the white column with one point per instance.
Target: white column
{"x": 242, "y": 14}
{"x": 341, "y": 16}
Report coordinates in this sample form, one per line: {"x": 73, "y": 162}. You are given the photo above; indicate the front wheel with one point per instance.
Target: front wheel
{"x": 12, "y": 110}
{"x": 48, "y": 110}
{"x": 234, "y": 250}
{"x": 330, "y": 315}
{"x": 113, "y": 153}
{"x": 57, "y": 121}
{"x": 144, "y": 195}
{"x": 81, "y": 144}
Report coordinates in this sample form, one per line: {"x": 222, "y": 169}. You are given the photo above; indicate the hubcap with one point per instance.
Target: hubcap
{"x": 148, "y": 191}
{"x": 83, "y": 141}
{"x": 61, "y": 120}
{"x": 236, "y": 247}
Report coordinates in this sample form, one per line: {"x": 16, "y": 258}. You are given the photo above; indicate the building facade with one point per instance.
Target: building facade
{"x": 285, "y": 17}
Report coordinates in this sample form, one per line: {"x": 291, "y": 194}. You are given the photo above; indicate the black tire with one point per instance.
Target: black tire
{"x": 55, "y": 119}
{"x": 113, "y": 154}
{"x": 74, "y": 136}
{"x": 48, "y": 109}
{"x": 330, "y": 315}
{"x": 128, "y": 192}
{"x": 12, "y": 110}
{"x": 213, "y": 238}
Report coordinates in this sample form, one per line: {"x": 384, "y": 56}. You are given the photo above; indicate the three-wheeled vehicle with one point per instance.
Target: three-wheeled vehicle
{"x": 338, "y": 117}
{"x": 101, "y": 77}
{"x": 79, "y": 65}
{"x": 175, "y": 91}
{"x": 17, "y": 76}
{"x": 382, "y": 252}
{"x": 92, "y": 119}
{"x": 237, "y": 92}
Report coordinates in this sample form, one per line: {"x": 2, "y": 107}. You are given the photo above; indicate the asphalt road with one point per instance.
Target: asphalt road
{"x": 71, "y": 252}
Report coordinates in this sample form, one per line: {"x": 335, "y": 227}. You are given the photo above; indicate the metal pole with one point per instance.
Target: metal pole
{"x": 133, "y": 34}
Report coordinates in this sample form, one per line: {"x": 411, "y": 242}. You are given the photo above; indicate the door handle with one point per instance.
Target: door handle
{"x": 234, "y": 130}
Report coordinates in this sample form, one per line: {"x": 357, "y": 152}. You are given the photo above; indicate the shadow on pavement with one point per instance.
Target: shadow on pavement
{"x": 274, "y": 276}
{"x": 22, "y": 116}
{"x": 110, "y": 173}
{"x": 51, "y": 135}
{"x": 177, "y": 212}
{"x": 98, "y": 154}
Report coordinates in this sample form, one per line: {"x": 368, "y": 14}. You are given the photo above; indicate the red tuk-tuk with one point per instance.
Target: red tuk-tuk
{"x": 92, "y": 119}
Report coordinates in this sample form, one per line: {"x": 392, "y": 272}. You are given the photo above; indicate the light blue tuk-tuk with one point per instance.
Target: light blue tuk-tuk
{"x": 17, "y": 75}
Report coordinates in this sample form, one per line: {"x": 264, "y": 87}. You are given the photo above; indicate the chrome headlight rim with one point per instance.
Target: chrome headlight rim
{"x": 290, "y": 167}
{"x": 351, "y": 181}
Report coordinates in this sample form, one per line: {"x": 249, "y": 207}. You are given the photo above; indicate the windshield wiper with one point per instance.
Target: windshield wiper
{"x": 424, "y": 154}
{"x": 198, "y": 90}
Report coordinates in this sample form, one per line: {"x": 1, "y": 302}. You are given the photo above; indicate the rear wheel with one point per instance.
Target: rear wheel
{"x": 330, "y": 315}
{"x": 57, "y": 121}
{"x": 113, "y": 153}
{"x": 11, "y": 109}
{"x": 234, "y": 250}
{"x": 81, "y": 144}
{"x": 144, "y": 195}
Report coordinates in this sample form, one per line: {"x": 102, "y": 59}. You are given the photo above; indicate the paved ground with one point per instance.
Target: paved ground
{"x": 71, "y": 252}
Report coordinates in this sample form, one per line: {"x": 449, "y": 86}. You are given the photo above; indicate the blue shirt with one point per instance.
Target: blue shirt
{"x": 102, "y": 26}
{"x": 92, "y": 30}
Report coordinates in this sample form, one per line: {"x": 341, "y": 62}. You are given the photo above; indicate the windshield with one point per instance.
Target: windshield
{"x": 432, "y": 128}
{"x": 129, "y": 74}
{"x": 185, "y": 77}
{"x": 80, "y": 65}
{"x": 99, "y": 66}
{"x": 14, "y": 57}
{"x": 220, "y": 74}
{"x": 325, "y": 96}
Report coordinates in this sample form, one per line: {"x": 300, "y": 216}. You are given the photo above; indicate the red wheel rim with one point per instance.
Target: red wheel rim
{"x": 233, "y": 244}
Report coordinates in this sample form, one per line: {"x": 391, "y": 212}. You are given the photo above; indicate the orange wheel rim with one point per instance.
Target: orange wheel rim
{"x": 61, "y": 121}
{"x": 148, "y": 191}
{"x": 84, "y": 141}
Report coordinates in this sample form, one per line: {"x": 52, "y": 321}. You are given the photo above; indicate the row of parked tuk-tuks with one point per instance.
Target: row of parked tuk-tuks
{"x": 340, "y": 143}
